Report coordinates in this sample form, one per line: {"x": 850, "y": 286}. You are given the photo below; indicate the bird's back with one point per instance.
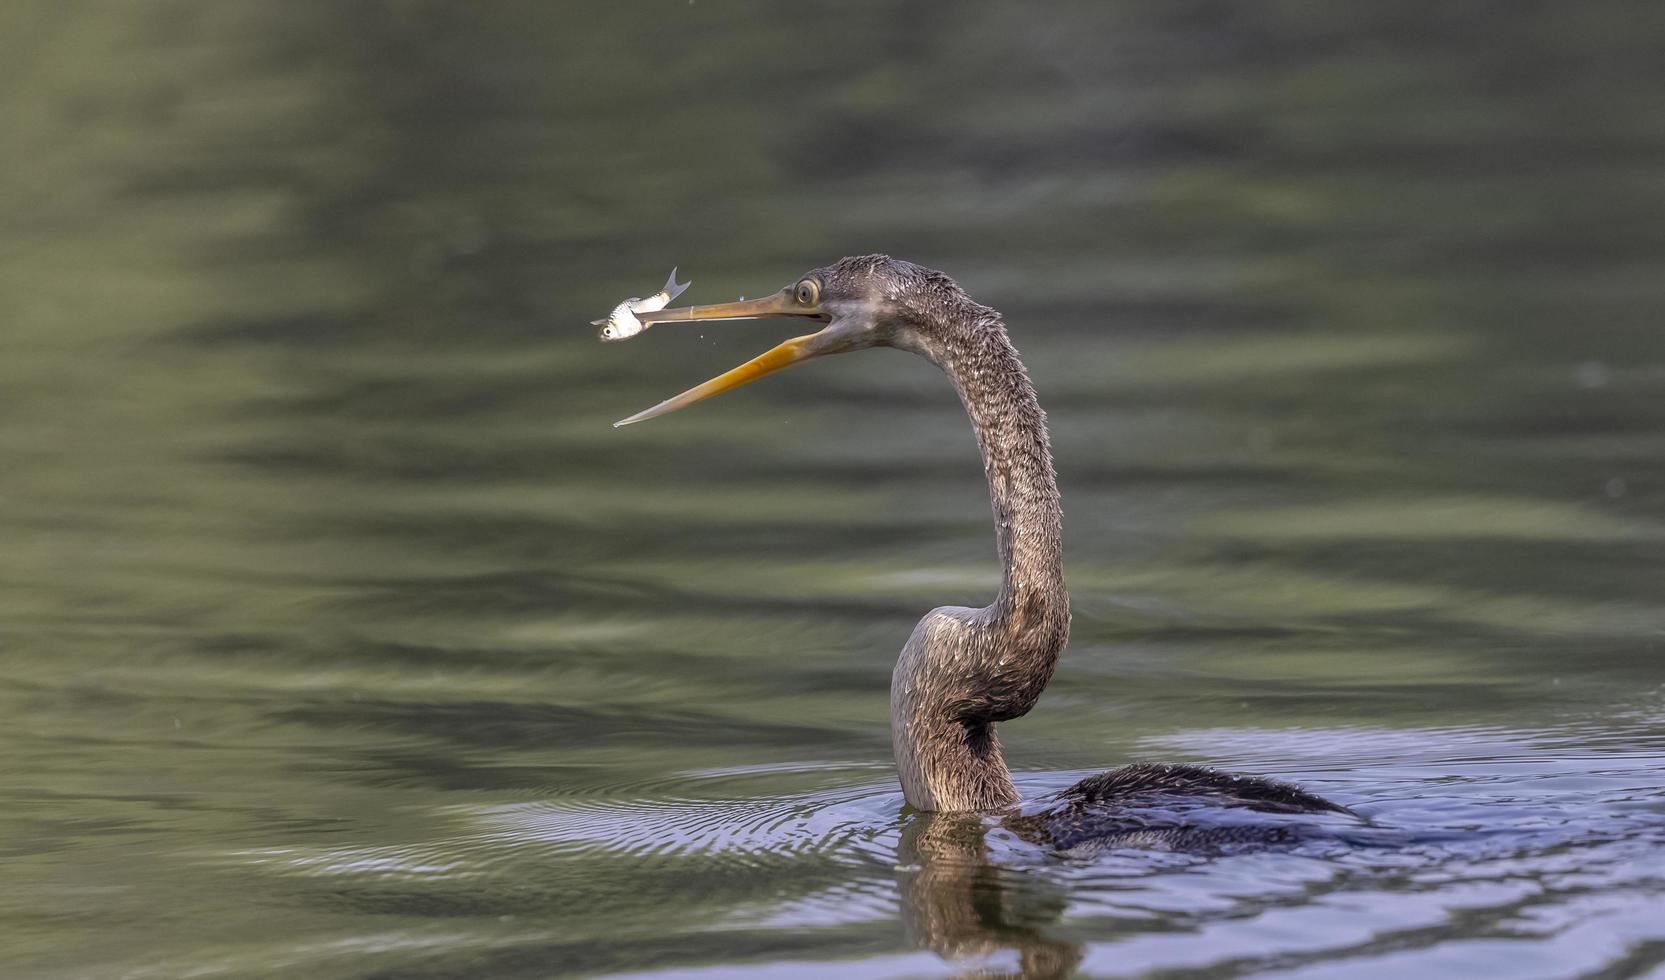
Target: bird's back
{"x": 1173, "y": 807}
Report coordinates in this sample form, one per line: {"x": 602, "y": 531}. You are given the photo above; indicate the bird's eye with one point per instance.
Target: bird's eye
{"x": 808, "y": 292}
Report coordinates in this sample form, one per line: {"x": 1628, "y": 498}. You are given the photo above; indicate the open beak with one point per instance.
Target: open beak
{"x": 783, "y": 355}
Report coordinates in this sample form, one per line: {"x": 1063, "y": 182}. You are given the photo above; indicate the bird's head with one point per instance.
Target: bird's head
{"x": 861, "y": 301}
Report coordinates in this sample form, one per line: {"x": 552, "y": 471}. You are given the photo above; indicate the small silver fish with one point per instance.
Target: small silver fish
{"x": 622, "y": 324}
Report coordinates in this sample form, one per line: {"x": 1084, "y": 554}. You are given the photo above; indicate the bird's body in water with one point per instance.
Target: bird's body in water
{"x": 964, "y": 670}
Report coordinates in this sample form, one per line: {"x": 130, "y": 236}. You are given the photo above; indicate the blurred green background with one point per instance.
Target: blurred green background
{"x": 342, "y": 635}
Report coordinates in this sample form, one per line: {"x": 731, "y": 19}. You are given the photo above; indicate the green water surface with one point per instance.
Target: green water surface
{"x": 342, "y": 636}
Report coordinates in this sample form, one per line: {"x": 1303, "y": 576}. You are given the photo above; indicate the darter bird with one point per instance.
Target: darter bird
{"x": 965, "y": 670}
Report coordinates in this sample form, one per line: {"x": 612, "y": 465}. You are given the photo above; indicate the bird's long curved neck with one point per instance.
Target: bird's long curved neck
{"x": 963, "y": 670}
{"x": 1017, "y": 459}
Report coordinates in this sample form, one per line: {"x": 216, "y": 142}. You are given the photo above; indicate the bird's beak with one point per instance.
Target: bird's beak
{"x": 784, "y": 355}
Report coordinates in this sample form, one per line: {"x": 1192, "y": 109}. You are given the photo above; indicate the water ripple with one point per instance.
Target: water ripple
{"x": 708, "y": 813}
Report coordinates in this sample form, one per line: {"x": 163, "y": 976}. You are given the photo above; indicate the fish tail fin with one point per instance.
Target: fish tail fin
{"x": 673, "y": 289}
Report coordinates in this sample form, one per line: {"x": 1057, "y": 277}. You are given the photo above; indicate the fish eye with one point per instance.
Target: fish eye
{"x": 808, "y": 292}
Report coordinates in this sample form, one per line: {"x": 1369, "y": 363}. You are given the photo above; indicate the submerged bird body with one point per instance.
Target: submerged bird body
{"x": 963, "y": 670}
{"x": 1167, "y": 806}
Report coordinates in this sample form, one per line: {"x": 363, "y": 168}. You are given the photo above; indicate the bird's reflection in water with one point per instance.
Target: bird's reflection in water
{"x": 961, "y": 905}
{"x": 1002, "y": 919}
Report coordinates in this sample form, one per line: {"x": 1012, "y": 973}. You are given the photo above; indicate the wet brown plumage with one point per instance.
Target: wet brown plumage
{"x": 964, "y": 670}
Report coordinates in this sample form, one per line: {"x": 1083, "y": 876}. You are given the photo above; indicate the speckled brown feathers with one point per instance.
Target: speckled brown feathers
{"x": 964, "y": 669}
